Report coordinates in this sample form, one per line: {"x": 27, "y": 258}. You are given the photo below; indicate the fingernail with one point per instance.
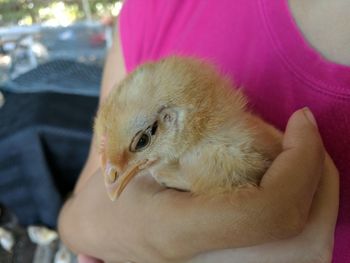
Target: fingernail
{"x": 310, "y": 116}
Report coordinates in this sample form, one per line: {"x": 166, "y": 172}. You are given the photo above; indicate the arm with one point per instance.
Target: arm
{"x": 148, "y": 220}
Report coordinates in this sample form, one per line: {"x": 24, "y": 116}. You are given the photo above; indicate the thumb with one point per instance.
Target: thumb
{"x": 297, "y": 170}
{"x": 302, "y": 131}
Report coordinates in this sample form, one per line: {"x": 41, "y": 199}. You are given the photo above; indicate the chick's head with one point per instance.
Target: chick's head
{"x": 137, "y": 127}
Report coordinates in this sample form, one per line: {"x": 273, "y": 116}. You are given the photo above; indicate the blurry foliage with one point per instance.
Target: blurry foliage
{"x": 33, "y": 11}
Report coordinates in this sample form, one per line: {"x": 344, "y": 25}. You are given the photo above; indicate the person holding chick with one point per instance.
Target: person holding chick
{"x": 280, "y": 53}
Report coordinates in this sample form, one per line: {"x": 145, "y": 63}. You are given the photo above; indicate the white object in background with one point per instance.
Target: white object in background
{"x": 41, "y": 235}
{"x": 2, "y": 99}
{"x": 6, "y": 239}
{"x": 63, "y": 255}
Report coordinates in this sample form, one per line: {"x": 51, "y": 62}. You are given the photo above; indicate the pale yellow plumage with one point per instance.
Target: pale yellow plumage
{"x": 183, "y": 122}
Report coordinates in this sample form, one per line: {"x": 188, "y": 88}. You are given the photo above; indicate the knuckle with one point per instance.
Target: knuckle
{"x": 289, "y": 223}
{"x": 297, "y": 221}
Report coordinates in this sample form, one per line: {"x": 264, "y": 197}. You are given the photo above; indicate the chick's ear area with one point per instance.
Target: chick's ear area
{"x": 171, "y": 116}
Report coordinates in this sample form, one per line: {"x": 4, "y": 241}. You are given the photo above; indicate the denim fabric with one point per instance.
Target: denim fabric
{"x": 44, "y": 140}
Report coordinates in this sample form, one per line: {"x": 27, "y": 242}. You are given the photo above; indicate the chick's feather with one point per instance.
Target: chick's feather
{"x": 206, "y": 141}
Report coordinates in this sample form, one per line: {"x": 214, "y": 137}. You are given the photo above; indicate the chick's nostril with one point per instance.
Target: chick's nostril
{"x": 112, "y": 174}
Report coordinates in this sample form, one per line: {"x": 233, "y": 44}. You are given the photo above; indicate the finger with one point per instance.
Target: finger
{"x": 302, "y": 151}
{"x": 295, "y": 173}
{"x": 324, "y": 208}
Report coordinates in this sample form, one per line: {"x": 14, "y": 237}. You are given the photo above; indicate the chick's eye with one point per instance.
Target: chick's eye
{"x": 143, "y": 141}
{"x": 140, "y": 142}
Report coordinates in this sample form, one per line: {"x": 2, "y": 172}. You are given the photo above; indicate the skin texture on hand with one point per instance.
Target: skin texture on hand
{"x": 313, "y": 245}
{"x": 151, "y": 224}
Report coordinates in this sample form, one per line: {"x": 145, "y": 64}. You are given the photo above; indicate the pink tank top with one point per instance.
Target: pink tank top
{"x": 258, "y": 44}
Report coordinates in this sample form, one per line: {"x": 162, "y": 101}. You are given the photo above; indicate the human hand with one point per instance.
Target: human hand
{"x": 151, "y": 224}
{"x": 313, "y": 245}
{"x": 278, "y": 210}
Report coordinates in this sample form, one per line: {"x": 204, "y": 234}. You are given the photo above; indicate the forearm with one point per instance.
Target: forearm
{"x": 91, "y": 224}
{"x": 242, "y": 219}
{"x": 73, "y": 224}
{"x": 90, "y": 218}
{"x": 178, "y": 231}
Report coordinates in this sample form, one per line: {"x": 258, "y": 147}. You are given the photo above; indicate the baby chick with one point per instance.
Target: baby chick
{"x": 182, "y": 121}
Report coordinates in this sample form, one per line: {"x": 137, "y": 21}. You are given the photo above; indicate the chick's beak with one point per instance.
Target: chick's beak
{"x": 116, "y": 180}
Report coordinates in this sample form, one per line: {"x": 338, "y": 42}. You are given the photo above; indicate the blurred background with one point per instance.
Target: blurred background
{"x": 33, "y": 32}
{"x": 51, "y": 60}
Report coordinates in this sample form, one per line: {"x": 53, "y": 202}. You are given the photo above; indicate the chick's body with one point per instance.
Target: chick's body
{"x": 199, "y": 135}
